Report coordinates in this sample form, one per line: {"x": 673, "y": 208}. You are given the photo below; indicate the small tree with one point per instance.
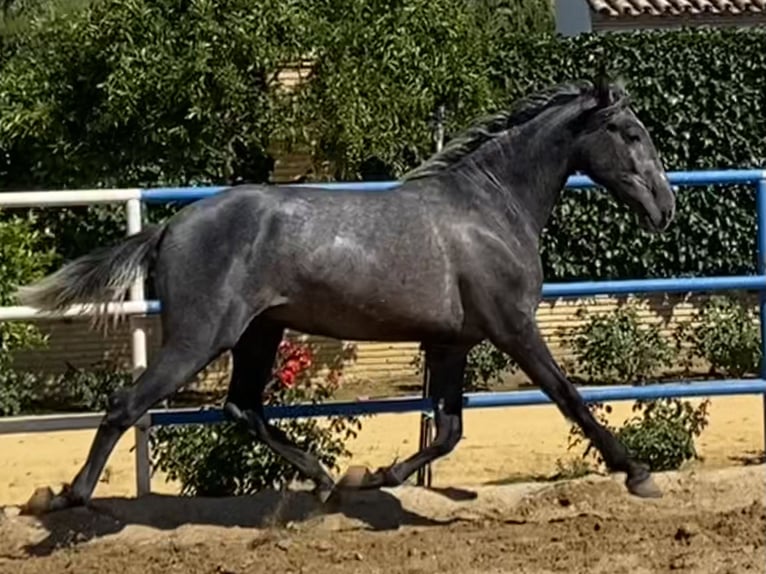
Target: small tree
{"x": 225, "y": 460}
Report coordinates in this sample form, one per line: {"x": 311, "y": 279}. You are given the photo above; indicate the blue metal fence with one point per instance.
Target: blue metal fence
{"x": 757, "y": 282}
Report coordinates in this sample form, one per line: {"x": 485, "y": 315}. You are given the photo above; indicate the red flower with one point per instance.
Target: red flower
{"x": 293, "y": 365}
{"x": 287, "y": 378}
{"x": 293, "y": 360}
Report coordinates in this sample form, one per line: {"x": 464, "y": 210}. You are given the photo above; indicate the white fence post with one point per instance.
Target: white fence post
{"x": 138, "y": 352}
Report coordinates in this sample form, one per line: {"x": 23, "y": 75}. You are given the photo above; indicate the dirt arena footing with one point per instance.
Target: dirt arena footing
{"x": 709, "y": 521}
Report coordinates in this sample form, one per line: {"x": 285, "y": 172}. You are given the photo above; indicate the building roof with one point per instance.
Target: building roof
{"x": 617, "y": 8}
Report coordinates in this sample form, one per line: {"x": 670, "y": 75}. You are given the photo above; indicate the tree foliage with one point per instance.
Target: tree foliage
{"x": 701, "y": 93}
{"x": 383, "y": 69}
{"x": 136, "y": 93}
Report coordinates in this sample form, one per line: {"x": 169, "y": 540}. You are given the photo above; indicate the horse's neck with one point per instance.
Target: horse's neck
{"x": 527, "y": 171}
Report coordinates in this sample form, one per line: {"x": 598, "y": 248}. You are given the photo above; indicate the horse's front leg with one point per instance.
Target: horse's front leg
{"x": 447, "y": 368}
{"x": 517, "y": 334}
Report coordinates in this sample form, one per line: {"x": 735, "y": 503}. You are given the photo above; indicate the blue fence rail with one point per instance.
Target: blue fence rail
{"x": 756, "y": 386}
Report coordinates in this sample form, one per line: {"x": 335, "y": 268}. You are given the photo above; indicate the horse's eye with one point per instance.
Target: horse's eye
{"x": 611, "y": 127}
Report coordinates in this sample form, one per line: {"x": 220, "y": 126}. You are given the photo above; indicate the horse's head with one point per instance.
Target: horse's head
{"x": 615, "y": 150}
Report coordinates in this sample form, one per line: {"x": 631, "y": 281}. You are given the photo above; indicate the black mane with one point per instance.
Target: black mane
{"x": 492, "y": 126}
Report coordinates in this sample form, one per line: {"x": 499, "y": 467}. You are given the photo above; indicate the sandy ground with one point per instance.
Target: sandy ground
{"x": 712, "y": 518}
{"x": 708, "y": 522}
{"x": 499, "y": 445}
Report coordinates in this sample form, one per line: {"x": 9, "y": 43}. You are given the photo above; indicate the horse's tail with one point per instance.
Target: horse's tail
{"x": 104, "y": 275}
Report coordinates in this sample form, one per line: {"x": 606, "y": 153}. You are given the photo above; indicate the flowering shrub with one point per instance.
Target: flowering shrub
{"x": 225, "y": 460}
{"x": 295, "y": 359}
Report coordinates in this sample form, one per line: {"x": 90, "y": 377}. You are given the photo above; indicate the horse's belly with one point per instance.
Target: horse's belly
{"x": 380, "y": 319}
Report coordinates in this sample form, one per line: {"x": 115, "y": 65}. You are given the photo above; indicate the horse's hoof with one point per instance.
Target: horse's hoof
{"x": 356, "y": 477}
{"x": 644, "y": 488}
{"x": 41, "y": 502}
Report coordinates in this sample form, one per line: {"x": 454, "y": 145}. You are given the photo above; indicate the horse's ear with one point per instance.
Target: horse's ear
{"x": 602, "y": 89}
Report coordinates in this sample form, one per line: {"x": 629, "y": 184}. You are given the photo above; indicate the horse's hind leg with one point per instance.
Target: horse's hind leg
{"x": 253, "y": 359}
{"x": 447, "y": 369}
{"x": 175, "y": 364}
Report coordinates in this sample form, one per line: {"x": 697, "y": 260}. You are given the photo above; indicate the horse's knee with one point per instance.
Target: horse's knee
{"x": 446, "y": 447}
{"x": 249, "y": 419}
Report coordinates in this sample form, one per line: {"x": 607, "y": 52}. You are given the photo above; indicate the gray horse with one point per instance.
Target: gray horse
{"x": 448, "y": 259}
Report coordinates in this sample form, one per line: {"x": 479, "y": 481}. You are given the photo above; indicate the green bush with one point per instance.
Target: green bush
{"x": 17, "y": 392}
{"x": 26, "y": 255}
{"x": 661, "y": 433}
{"x": 616, "y": 348}
{"x": 75, "y": 390}
{"x": 80, "y": 390}
{"x": 224, "y": 460}
{"x": 725, "y": 333}
{"x": 487, "y": 365}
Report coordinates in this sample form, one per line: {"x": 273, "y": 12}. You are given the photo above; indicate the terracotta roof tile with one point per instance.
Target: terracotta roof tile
{"x": 676, "y": 7}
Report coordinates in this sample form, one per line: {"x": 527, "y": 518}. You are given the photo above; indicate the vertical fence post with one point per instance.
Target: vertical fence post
{"x": 760, "y": 222}
{"x": 138, "y": 361}
{"x": 424, "y": 474}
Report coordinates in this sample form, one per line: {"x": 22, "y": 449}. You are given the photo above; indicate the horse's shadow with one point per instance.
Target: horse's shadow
{"x": 373, "y": 510}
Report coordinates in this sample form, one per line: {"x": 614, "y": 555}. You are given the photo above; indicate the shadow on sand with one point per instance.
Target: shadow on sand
{"x": 375, "y": 510}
